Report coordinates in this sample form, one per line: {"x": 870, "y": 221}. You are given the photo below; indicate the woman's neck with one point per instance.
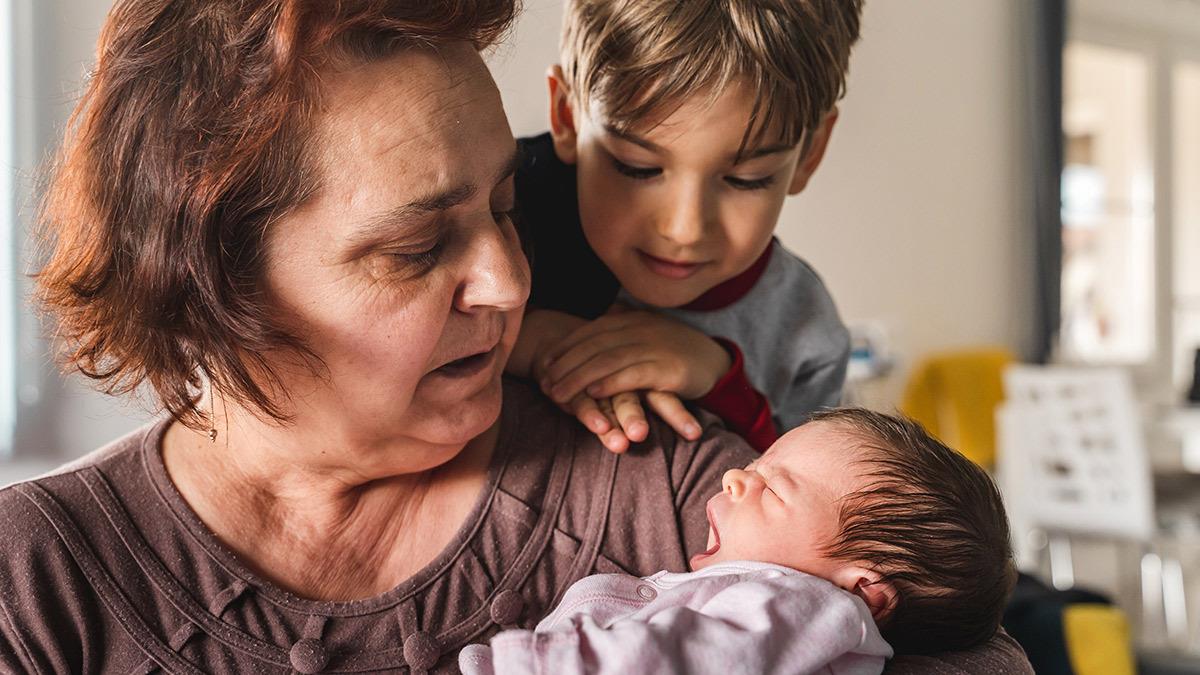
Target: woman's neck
{"x": 319, "y": 529}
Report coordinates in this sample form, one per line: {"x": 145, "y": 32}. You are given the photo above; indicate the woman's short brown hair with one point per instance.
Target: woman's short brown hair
{"x": 633, "y": 57}
{"x": 189, "y": 141}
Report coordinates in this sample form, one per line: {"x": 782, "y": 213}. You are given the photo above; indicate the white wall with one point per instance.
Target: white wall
{"x": 59, "y": 417}
{"x": 915, "y": 218}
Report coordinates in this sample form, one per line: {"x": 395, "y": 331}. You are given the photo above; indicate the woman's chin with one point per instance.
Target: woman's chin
{"x": 461, "y": 421}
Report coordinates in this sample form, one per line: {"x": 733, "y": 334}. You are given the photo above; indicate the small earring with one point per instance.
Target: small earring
{"x": 212, "y": 416}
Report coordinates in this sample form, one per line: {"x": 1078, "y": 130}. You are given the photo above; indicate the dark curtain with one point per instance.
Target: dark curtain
{"x": 1046, "y": 27}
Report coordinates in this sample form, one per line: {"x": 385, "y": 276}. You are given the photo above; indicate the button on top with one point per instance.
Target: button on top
{"x": 421, "y": 651}
{"x": 646, "y": 592}
{"x": 507, "y": 607}
{"x": 309, "y": 656}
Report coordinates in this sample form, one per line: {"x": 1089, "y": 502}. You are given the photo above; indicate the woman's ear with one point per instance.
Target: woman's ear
{"x": 814, "y": 152}
{"x": 562, "y": 116}
{"x": 877, "y": 592}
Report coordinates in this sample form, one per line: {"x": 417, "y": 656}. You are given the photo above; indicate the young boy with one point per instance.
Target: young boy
{"x": 854, "y": 528}
{"x": 677, "y": 131}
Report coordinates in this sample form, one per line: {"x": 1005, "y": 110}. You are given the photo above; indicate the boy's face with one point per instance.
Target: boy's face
{"x": 668, "y": 206}
{"x": 784, "y": 507}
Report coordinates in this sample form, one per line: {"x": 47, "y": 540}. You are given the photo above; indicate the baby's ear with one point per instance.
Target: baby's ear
{"x": 877, "y": 592}
{"x": 562, "y": 116}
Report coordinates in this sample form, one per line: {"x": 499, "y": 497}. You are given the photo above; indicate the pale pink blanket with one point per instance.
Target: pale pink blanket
{"x": 731, "y": 618}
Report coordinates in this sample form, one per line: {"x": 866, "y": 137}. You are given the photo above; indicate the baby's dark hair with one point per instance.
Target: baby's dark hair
{"x": 933, "y": 524}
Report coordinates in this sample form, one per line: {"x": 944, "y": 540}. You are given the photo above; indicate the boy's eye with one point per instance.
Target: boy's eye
{"x": 637, "y": 173}
{"x": 750, "y": 184}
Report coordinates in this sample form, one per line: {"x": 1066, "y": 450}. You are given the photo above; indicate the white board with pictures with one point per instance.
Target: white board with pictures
{"x": 1072, "y": 452}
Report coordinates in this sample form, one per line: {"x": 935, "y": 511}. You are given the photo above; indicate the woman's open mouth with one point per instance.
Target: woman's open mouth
{"x": 468, "y": 365}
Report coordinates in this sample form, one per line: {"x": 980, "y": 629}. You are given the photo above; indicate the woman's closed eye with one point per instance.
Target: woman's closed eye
{"x": 419, "y": 259}
{"x": 507, "y": 216}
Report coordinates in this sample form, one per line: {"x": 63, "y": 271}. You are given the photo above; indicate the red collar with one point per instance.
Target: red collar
{"x": 731, "y": 290}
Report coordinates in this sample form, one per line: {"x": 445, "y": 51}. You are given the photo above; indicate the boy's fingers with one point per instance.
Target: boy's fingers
{"x": 589, "y": 414}
{"x": 671, "y": 409}
{"x": 633, "y": 377}
{"x": 628, "y": 408}
{"x": 586, "y": 332}
{"x": 615, "y": 441}
{"x": 615, "y": 438}
{"x": 597, "y": 369}
{"x": 585, "y": 351}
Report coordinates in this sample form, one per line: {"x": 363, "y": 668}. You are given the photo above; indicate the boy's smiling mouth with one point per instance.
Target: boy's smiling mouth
{"x": 671, "y": 269}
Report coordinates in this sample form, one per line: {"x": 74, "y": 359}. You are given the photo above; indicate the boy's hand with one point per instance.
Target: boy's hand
{"x": 630, "y": 351}
{"x": 540, "y": 330}
{"x": 617, "y": 420}
{"x": 621, "y": 420}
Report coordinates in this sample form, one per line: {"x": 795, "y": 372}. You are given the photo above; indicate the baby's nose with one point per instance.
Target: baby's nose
{"x": 734, "y": 483}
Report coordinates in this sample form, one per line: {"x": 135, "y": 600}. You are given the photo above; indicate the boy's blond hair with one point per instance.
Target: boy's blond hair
{"x": 635, "y": 59}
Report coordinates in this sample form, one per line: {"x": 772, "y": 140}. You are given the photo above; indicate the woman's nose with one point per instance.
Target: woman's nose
{"x": 497, "y": 274}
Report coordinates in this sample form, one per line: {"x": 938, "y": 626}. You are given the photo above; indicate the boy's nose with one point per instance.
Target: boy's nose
{"x": 685, "y": 224}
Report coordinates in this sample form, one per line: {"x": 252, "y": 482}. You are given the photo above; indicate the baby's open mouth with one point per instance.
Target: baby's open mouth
{"x": 714, "y": 538}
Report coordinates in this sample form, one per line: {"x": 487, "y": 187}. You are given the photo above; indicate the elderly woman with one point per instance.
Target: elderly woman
{"x": 289, "y": 220}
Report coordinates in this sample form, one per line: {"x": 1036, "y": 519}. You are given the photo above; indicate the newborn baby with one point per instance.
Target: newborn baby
{"x": 854, "y": 528}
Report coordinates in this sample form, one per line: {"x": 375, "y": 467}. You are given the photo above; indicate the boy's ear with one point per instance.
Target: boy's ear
{"x": 562, "y": 116}
{"x": 815, "y": 152}
{"x": 878, "y": 593}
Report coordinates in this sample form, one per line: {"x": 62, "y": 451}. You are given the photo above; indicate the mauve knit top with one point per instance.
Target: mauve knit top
{"x": 105, "y": 569}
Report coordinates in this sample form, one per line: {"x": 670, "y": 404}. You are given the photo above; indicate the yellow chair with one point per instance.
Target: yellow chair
{"x": 1098, "y": 640}
{"x": 955, "y": 394}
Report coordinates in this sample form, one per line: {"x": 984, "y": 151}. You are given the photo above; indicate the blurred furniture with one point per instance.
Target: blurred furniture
{"x": 1073, "y": 632}
{"x": 1072, "y": 461}
{"x": 1073, "y": 453}
{"x": 955, "y": 394}
{"x": 959, "y": 396}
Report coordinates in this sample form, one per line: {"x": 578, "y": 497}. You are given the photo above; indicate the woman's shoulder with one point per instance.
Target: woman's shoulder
{"x": 646, "y": 506}
{"x": 41, "y": 514}
{"x": 50, "y": 570}
{"x": 539, "y": 428}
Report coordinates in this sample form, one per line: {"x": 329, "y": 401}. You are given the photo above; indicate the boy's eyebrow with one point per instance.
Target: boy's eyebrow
{"x": 763, "y": 151}
{"x": 631, "y": 137}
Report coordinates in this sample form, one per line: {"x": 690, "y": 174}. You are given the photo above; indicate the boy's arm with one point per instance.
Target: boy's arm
{"x": 540, "y": 329}
{"x": 743, "y": 408}
{"x": 642, "y": 351}
{"x": 618, "y": 420}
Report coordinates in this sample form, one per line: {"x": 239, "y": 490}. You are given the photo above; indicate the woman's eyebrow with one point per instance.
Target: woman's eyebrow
{"x": 417, "y": 211}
